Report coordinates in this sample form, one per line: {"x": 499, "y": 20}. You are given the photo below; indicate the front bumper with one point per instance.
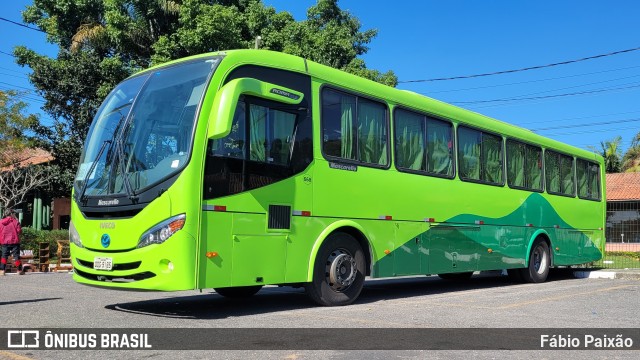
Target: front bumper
{"x": 169, "y": 266}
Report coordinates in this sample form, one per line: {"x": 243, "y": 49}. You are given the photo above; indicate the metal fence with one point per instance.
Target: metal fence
{"x": 623, "y": 236}
{"x": 620, "y": 256}
{"x": 623, "y": 222}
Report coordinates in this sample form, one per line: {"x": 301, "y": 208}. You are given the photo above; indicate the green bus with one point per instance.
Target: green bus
{"x": 238, "y": 169}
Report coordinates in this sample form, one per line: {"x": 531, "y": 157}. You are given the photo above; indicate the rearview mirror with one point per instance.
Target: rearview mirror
{"x": 226, "y": 100}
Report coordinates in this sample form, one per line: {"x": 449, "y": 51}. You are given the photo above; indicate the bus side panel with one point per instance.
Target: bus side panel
{"x": 453, "y": 248}
{"x": 407, "y": 257}
{"x": 502, "y": 247}
{"x": 245, "y": 253}
{"x": 259, "y": 257}
{"x": 574, "y": 244}
{"x": 475, "y": 242}
{"x": 216, "y": 238}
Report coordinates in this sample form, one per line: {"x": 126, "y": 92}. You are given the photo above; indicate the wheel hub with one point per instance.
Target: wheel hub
{"x": 539, "y": 260}
{"x": 341, "y": 270}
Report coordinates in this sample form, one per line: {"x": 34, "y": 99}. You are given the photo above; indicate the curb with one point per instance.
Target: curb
{"x": 598, "y": 274}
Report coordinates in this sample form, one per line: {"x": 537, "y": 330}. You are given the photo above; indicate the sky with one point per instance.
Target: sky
{"x": 581, "y": 103}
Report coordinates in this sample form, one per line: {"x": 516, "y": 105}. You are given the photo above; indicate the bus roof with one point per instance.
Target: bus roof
{"x": 389, "y": 94}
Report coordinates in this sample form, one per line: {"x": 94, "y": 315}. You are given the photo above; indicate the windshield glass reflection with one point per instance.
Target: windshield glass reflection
{"x": 143, "y": 132}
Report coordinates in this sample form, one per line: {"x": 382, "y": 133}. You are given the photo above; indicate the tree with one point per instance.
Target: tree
{"x": 610, "y": 150}
{"x": 332, "y": 36}
{"x": 101, "y": 42}
{"x": 631, "y": 159}
{"x": 13, "y": 125}
{"x": 73, "y": 86}
{"x": 18, "y": 179}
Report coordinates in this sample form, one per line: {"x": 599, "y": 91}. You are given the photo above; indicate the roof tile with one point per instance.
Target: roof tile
{"x": 623, "y": 186}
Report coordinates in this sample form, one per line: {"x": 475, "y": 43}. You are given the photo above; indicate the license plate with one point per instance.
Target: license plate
{"x": 102, "y": 263}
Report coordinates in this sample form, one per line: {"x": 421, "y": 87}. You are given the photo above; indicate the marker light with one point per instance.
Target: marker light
{"x": 162, "y": 231}
{"x": 74, "y": 236}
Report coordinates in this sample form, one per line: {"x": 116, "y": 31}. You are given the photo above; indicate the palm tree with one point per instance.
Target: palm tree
{"x": 610, "y": 150}
{"x": 631, "y": 159}
{"x": 140, "y": 24}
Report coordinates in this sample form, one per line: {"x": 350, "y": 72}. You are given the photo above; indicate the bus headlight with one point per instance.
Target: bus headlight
{"x": 74, "y": 236}
{"x": 162, "y": 231}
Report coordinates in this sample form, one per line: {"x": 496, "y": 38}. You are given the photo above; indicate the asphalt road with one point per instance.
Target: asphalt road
{"x": 487, "y": 301}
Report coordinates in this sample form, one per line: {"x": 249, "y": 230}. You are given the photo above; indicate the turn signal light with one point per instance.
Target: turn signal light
{"x": 211, "y": 254}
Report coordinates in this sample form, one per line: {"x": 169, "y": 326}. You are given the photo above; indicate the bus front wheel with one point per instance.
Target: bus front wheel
{"x": 238, "y": 291}
{"x": 338, "y": 272}
{"x": 539, "y": 263}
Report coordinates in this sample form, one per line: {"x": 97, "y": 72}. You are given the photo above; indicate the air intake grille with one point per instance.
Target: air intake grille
{"x": 279, "y": 217}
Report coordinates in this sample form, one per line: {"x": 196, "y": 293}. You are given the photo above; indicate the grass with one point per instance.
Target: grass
{"x": 619, "y": 260}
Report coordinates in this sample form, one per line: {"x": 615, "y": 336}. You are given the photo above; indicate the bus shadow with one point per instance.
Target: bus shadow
{"x": 212, "y": 306}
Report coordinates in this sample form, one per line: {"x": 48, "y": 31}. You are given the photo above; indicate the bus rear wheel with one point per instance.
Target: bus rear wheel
{"x": 338, "y": 272}
{"x": 539, "y": 263}
{"x": 238, "y": 291}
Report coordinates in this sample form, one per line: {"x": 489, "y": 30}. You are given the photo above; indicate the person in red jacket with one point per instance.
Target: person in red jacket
{"x": 10, "y": 231}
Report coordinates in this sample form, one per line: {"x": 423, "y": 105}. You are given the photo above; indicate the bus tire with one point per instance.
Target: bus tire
{"x": 461, "y": 276}
{"x": 338, "y": 272}
{"x": 238, "y": 291}
{"x": 539, "y": 263}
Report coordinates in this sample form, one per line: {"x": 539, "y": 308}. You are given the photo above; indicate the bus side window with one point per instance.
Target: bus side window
{"x": 594, "y": 181}
{"x": 439, "y": 147}
{"x": 567, "y": 173}
{"x": 354, "y": 128}
{"x": 480, "y": 156}
{"x": 552, "y": 171}
{"x": 516, "y": 154}
{"x": 410, "y": 134}
{"x": 492, "y": 158}
{"x": 533, "y": 167}
{"x": 559, "y": 173}
{"x": 524, "y": 166}
{"x": 588, "y": 176}
{"x": 469, "y": 153}
{"x": 270, "y": 135}
{"x": 423, "y": 143}
{"x": 232, "y": 145}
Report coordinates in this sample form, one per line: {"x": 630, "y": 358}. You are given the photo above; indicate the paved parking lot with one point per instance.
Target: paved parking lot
{"x": 487, "y": 301}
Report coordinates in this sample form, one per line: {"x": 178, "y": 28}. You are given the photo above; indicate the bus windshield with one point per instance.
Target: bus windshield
{"x": 142, "y": 133}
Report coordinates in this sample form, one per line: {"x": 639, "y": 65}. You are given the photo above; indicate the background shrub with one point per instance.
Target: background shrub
{"x": 31, "y": 238}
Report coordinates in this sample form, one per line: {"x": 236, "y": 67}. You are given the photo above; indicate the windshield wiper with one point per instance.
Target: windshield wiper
{"x": 82, "y": 196}
{"x": 121, "y": 163}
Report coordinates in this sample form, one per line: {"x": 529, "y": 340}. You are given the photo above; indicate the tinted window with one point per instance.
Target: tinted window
{"x": 524, "y": 166}
{"x": 354, "y": 128}
{"x": 559, "y": 174}
{"x": 410, "y": 135}
{"x": 267, "y": 143}
{"x": 480, "y": 156}
{"x": 588, "y": 176}
{"x": 423, "y": 144}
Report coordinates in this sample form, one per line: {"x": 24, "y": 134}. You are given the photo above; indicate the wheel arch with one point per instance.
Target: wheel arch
{"x": 349, "y": 227}
{"x": 540, "y": 234}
